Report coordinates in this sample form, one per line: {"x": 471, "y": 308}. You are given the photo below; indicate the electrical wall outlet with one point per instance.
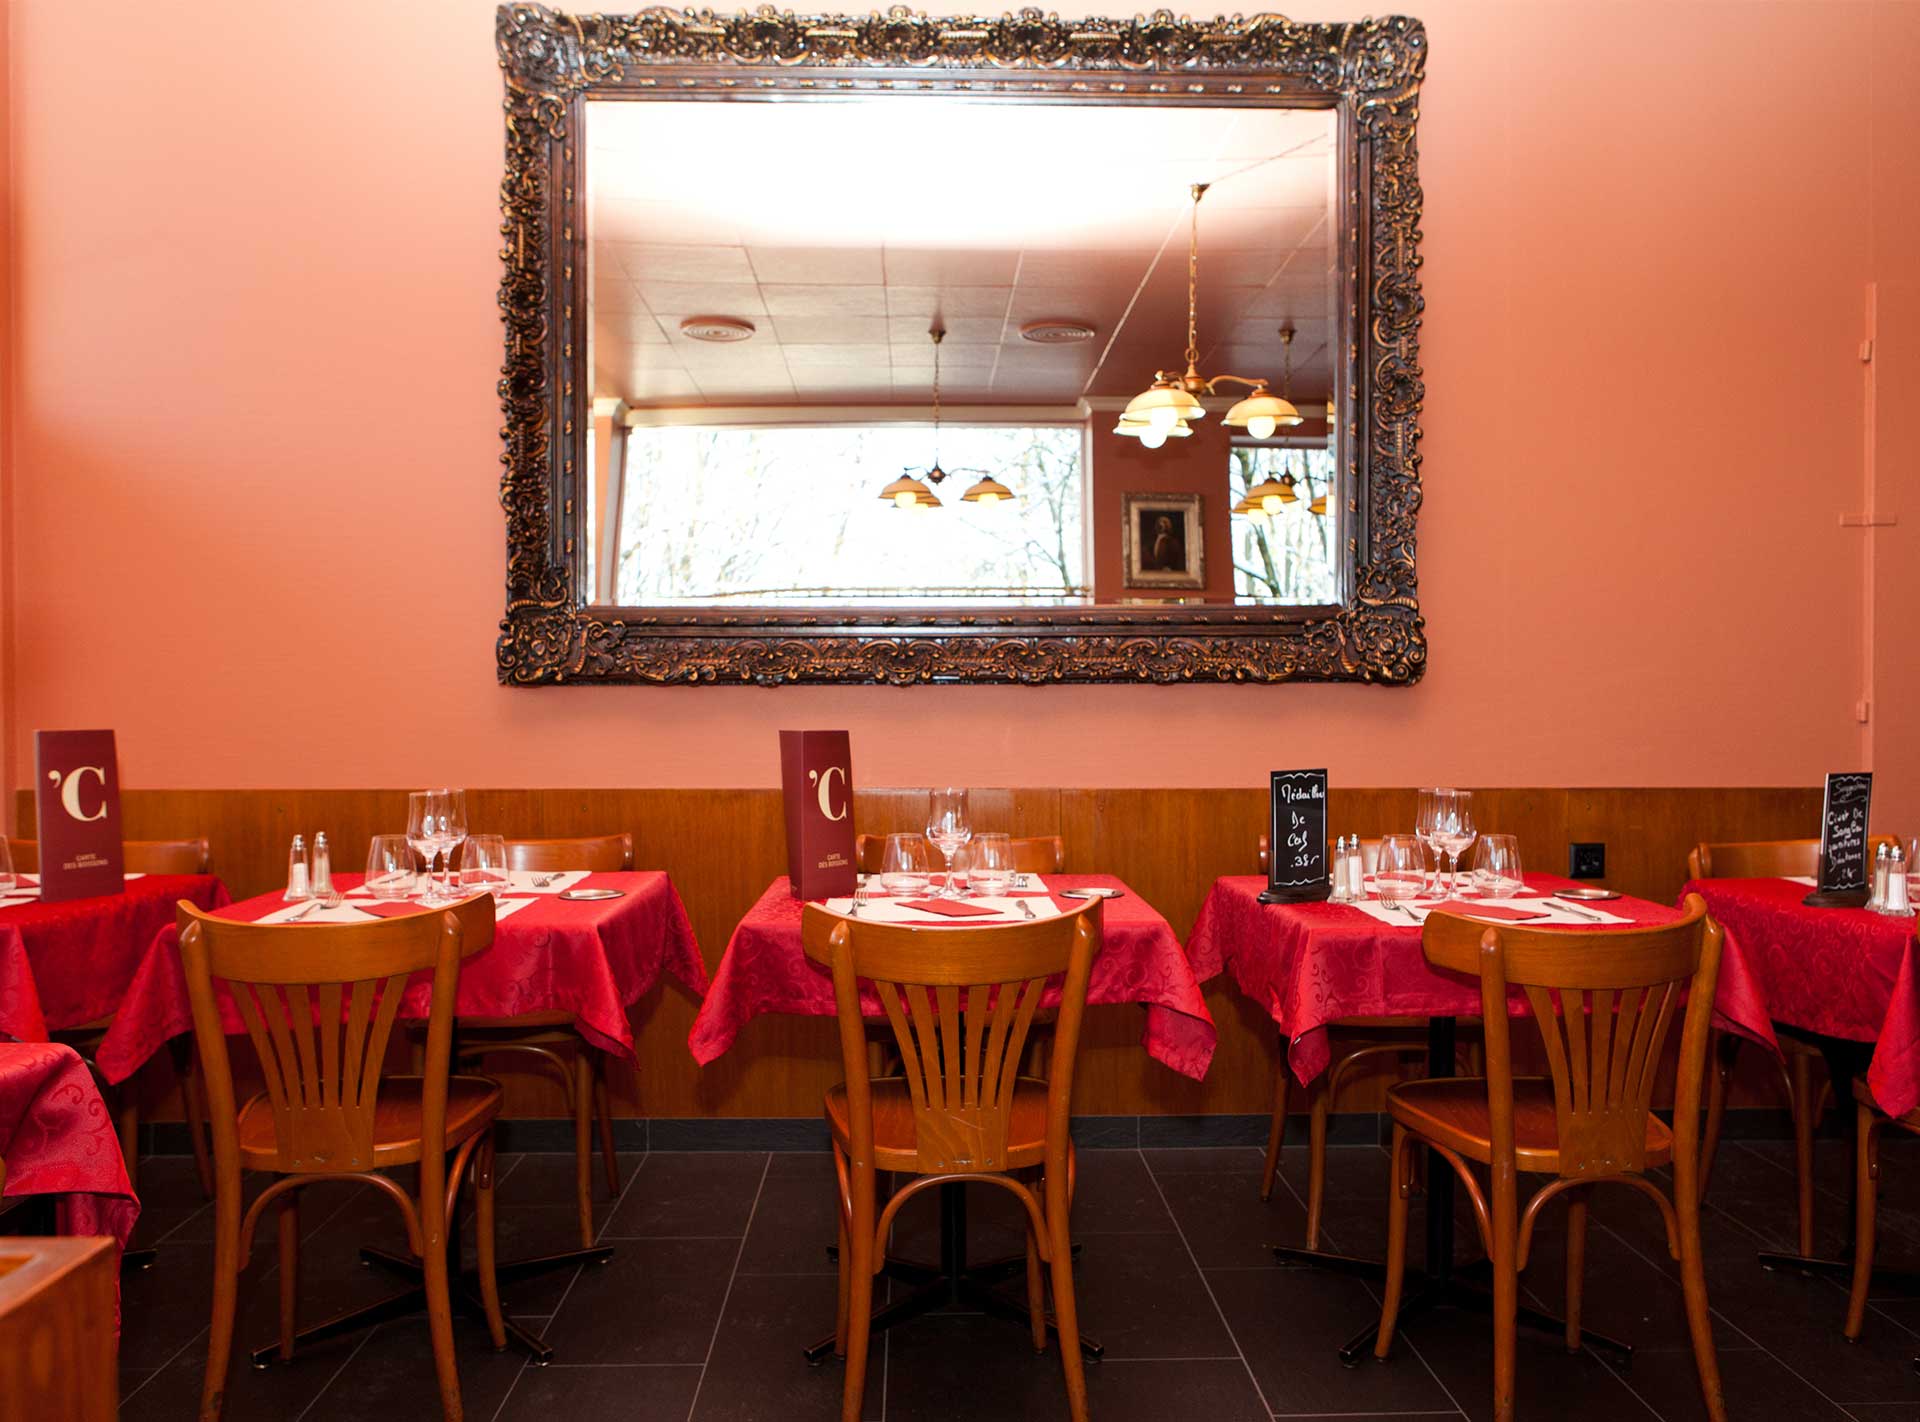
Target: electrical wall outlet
{"x": 1587, "y": 861}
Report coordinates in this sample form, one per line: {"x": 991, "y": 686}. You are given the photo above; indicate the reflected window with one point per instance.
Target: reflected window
{"x": 785, "y": 515}
{"x": 1285, "y": 524}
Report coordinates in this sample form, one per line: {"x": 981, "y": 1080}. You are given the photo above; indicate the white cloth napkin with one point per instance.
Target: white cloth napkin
{"x": 349, "y": 913}
{"x": 1557, "y": 916}
{"x": 879, "y": 910}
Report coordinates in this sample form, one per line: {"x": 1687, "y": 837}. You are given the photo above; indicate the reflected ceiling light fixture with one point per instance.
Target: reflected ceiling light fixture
{"x": 912, "y": 491}
{"x": 1167, "y": 408}
{"x": 721, "y": 330}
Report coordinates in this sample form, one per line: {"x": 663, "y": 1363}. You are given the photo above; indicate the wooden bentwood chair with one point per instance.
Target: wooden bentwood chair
{"x": 1803, "y": 1063}
{"x": 544, "y": 1036}
{"x": 1044, "y": 854}
{"x": 1589, "y": 1123}
{"x": 319, "y": 1003}
{"x": 960, "y": 1002}
{"x": 140, "y": 856}
{"x": 1402, "y": 1045}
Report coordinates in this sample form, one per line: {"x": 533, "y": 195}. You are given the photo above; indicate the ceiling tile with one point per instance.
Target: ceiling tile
{"x": 650, "y": 263}
{"x": 789, "y": 300}
{"x": 916, "y": 266}
{"x": 816, "y": 356}
{"x": 924, "y": 302}
{"x": 831, "y": 330}
{"x": 961, "y": 330}
{"x": 816, "y": 266}
{"x": 671, "y": 301}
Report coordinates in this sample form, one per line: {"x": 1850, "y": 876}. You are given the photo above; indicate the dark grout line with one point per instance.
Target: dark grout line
{"x": 733, "y": 1275}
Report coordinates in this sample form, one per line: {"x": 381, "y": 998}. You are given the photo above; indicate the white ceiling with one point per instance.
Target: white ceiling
{"x": 844, "y": 230}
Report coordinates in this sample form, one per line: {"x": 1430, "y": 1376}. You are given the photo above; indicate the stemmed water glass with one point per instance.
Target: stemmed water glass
{"x": 436, "y": 825}
{"x": 1453, "y": 829}
{"x": 1425, "y": 818}
{"x": 949, "y": 825}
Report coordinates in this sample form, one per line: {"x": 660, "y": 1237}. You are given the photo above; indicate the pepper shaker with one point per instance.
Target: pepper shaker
{"x": 321, "y": 879}
{"x": 1896, "y": 901}
{"x": 299, "y": 885}
{"x": 1877, "y": 900}
{"x": 1340, "y": 894}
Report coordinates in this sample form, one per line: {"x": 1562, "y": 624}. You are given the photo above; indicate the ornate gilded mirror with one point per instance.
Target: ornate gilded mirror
{"x": 907, "y": 348}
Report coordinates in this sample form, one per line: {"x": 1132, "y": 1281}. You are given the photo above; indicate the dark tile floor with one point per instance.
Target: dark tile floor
{"x": 721, "y": 1277}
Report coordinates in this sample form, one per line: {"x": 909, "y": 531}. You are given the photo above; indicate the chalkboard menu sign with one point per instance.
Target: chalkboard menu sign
{"x": 1843, "y": 841}
{"x": 1297, "y": 870}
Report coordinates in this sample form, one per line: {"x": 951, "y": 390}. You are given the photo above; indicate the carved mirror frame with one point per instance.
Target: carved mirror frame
{"x": 1368, "y": 73}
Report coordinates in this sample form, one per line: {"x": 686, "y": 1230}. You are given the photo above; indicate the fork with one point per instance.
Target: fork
{"x": 862, "y": 896}
{"x": 302, "y": 912}
{"x": 541, "y": 881}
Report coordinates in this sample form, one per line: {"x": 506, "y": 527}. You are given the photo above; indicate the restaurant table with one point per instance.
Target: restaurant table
{"x": 63, "y": 965}
{"x": 1308, "y": 965}
{"x": 58, "y": 1141}
{"x": 766, "y": 969}
{"x": 1845, "y": 975}
{"x": 590, "y": 958}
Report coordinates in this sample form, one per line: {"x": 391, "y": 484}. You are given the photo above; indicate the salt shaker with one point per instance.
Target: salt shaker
{"x": 1356, "y": 870}
{"x": 1896, "y": 901}
{"x": 1877, "y": 900}
{"x": 299, "y": 886}
{"x": 322, "y": 875}
{"x": 1339, "y": 876}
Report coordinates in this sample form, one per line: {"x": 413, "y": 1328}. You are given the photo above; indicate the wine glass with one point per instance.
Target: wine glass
{"x": 1401, "y": 872}
{"x": 907, "y": 865}
{"x": 425, "y": 809}
{"x": 1496, "y": 866}
{"x": 1453, "y": 829}
{"x": 390, "y": 871}
{"x": 453, "y": 833}
{"x": 949, "y": 825}
{"x": 483, "y": 865}
{"x": 991, "y": 872}
{"x": 1426, "y": 817}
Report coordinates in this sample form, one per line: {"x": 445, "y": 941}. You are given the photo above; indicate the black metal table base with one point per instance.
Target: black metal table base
{"x": 953, "y": 1284}
{"x": 1439, "y": 1286}
{"x": 464, "y": 1290}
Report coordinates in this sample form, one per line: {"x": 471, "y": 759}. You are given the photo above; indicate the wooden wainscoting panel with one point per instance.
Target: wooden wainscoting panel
{"x": 722, "y": 848}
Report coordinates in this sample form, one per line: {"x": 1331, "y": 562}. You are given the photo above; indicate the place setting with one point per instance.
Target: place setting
{"x": 978, "y": 882}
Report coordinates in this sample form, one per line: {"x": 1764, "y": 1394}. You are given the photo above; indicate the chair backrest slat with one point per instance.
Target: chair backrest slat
{"x": 137, "y": 856}
{"x": 1603, "y": 1001}
{"x": 961, "y": 1002}
{"x": 1033, "y": 854}
{"x": 598, "y": 853}
{"x": 321, "y": 1047}
{"x": 1763, "y": 858}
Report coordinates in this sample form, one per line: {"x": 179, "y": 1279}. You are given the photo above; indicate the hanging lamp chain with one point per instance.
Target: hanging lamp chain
{"x": 1193, "y": 282}
{"x": 937, "y": 333}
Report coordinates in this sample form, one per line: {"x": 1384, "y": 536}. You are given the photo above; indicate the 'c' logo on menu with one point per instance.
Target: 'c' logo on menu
{"x": 70, "y": 786}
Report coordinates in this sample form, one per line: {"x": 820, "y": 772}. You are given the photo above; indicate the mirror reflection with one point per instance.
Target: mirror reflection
{"x": 927, "y": 352}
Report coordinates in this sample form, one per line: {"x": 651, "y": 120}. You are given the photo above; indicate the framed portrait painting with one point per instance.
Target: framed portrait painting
{"x": 1161, "y": 541}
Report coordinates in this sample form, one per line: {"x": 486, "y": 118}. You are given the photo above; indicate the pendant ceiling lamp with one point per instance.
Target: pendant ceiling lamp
{"x": 912, "y": 491}
{"x": 1167, "y": 408}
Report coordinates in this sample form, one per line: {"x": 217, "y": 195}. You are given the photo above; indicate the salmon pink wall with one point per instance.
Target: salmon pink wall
{"x": 255, "y": 452}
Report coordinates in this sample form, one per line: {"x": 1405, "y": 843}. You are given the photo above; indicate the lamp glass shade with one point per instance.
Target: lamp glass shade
{"x": 1273, "y": 494}
{"x": 1318, "y": 506}
{"x": 906, "y": 492}
{"x": 1163, "y": 403}
{"x": 988, "y": 490}
{"x": 1261, "y": 413}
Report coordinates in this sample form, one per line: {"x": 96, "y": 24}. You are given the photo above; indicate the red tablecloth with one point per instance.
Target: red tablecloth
{"x": 67, "y": 964}
{"x": 593, "y": 959}
{"x": 57, "y": 1139}
{"x": 765, "y": 970}
{"x": 1309, "y": 965}
{"x": 1839, "y": 971}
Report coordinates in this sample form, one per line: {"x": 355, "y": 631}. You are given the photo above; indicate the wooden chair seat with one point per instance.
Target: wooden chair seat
{"x": 398, "y": 1116}
{"x": 527, "y": 1024}
{"x": 1453, "y": 1112}
{"x": 894, "y": 1139}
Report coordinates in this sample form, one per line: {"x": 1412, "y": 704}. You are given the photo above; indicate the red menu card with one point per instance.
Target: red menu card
{"x": 77, "y": 803}
{"x": 816, "y": 778}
